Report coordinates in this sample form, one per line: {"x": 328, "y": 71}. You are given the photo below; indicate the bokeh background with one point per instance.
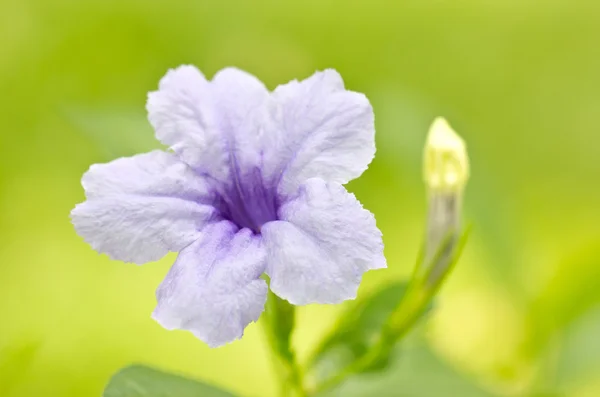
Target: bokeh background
{"x": 519, "y": 79}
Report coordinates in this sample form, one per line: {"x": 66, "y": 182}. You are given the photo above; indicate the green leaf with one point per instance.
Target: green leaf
{"x": 414, "y": 371}
{"x": 140, "y": 381}
{"x": 356, "y": 332}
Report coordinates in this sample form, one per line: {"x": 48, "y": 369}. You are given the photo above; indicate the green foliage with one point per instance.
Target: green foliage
{"x": 279, "y": 320}
{"x": 365, "y": 336}
{"x": 140, "y": 381}
{"x": 356, "y": 333}
{"x": 413, "y": 371}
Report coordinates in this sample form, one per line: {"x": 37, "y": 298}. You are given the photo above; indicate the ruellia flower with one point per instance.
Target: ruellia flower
{"x": 252, "y": 184}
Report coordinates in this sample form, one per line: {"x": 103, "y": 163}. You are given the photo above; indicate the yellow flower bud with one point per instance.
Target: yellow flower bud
{"x": 446, "y": 164}
{"x": 446, "y": 171}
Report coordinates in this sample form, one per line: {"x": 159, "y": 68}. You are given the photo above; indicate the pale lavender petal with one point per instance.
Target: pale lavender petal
{"x": 214, "y": 126}
{"x": 324, "y": 242}
{"x": 319, "y": 130}
{"x": 241, "y": 100}
{"x": 214, "y": 289}
{"x": 156, "y": 173}
{"x": 184, "y": 117}
{"x": 140, "y": 208}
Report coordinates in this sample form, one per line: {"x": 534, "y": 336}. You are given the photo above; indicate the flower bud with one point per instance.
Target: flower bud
{"x": 446, "y": 165}
{"x": 446, "y": 171}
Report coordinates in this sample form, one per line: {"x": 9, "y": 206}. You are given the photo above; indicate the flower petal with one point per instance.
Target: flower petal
{"x": 214, "y": 289}
{"x": 240, "y": 98}
{"x": 324, "y": 242}
{"x": 320, "y": 130}
{"x": 183, "y": 115}
{"x": 156, "y": 173}
{"x": 241, "y": 101}
{"x": 208, "y": 123}
{"x": 141, "y": 207}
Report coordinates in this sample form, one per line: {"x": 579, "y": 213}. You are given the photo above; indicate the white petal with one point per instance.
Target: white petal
{"x": 156, "y": 173}
{"x": 141, "y": 207}
{"x": 319, "y": 130}
{"x": 214, "y": 126}
{"x": 214, "y": 289}
{"x": 184, "y": 117}
{"x": 323, "y": 244}
{"x": 140, "y": 229}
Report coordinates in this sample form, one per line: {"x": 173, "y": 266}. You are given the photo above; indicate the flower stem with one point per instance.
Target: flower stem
{"x": 409, "y": 311}
{"x": 421, "y": 290}
{"x": 278, "y": 324}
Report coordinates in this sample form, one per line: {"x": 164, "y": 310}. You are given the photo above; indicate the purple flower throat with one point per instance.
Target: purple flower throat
{"x": 248, "y": 202}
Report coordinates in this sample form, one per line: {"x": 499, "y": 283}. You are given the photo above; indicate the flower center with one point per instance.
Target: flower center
{"x": 249, "y": 202}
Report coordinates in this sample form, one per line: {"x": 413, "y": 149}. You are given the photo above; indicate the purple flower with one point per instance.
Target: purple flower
{"x": 252, "y": 185}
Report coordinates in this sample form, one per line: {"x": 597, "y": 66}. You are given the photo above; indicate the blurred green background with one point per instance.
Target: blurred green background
{"x": 519, "y": 79}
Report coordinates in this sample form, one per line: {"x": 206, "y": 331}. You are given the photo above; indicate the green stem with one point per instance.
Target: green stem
{"x": 278, "y": 324}
{"x": 357, "y": 366}
{"x": 398, "y": 325}
{"x": 421, "y": 290}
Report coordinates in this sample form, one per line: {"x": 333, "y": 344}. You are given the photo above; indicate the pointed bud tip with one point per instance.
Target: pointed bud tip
{"x": 441, "y": 135}
{"x": 446, "y": 164}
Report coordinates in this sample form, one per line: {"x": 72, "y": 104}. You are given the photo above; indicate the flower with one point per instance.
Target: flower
{"x": 252, "y": 185}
